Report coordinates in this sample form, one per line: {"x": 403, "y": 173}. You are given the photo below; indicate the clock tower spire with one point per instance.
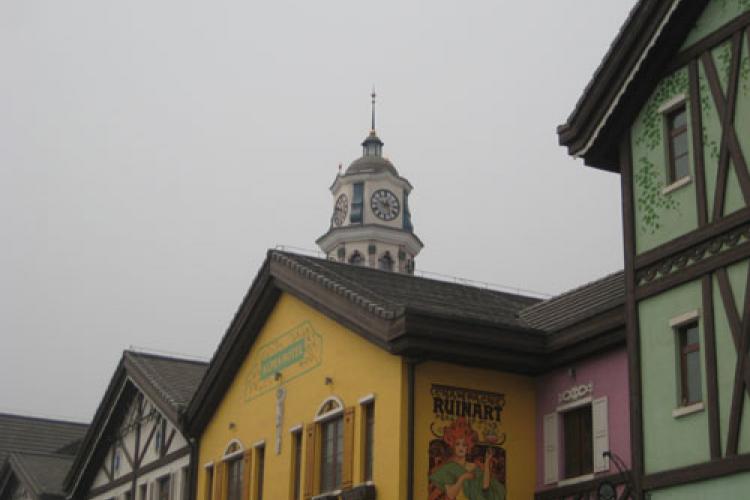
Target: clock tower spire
{"x": 371, "y": 222}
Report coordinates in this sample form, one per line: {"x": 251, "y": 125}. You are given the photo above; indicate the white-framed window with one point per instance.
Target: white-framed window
{"x": 575, "y": 437}
{"x": 330, "y": 420}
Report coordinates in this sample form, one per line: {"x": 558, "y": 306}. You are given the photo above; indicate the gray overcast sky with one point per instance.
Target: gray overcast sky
{"x": 152, "y": 151}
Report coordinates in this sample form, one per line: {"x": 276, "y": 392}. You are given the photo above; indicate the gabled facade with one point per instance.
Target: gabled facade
{"x": 136, "y": 448}
{"x": 339, "y": 381}
{"x": 35, "y": 455}
{"x": 670, "y": 110}
{"x": 34, "y": 476}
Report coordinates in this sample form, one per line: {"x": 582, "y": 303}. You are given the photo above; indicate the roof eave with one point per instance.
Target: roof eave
{"x": 607, "y": 106}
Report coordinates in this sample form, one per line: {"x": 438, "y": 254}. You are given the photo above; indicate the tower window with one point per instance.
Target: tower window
{"x": 385, "y": 263}
{"x": 677, "y": 144}
{"x": 357, "y": 259}
{"x": 357, "y": 202}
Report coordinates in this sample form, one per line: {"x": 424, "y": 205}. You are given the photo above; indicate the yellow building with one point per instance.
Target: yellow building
{"x": 347, "y": 381}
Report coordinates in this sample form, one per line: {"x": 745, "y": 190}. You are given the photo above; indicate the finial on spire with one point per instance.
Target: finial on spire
{"x": 373, "y": 107}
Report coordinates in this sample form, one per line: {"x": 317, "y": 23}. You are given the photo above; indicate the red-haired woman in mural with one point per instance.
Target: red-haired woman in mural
{"x": 460, "y": 479}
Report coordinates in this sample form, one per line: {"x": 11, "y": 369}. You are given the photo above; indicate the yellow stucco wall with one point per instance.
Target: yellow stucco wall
{"x": 516, "y": 421}
{"x": 356, "y": 367}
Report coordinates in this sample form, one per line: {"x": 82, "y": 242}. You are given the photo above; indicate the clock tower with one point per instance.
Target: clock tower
{"x": 371, "y": 224}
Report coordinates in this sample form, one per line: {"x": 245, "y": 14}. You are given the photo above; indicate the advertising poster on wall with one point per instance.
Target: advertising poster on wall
{"x": 466, "y": 454}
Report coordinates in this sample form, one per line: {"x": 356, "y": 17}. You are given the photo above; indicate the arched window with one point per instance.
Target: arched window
{"x": 330, "y": 418}
{"x": 385, "y": 262}
{"x": 233, "y": 459}
{"x": 357, "y": 259}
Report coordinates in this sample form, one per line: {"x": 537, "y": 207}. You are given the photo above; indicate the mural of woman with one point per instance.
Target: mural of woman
{"x": 458, "y": 477}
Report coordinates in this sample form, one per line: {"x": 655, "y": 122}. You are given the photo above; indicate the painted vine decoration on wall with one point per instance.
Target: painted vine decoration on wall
{"x": 651, "y": 201}
{"x": 710, "y": 146}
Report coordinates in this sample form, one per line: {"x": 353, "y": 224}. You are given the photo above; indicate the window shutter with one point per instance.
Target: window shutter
{"x": 347, "y": 468}
{"x": 600, "y": 433}
{"x": 550, "y": 448}
{"x": 210, "y": 478}
{"x": 219, "y": 480}
{"x": 309, "y": 489}
{"x": 247, "y": 474}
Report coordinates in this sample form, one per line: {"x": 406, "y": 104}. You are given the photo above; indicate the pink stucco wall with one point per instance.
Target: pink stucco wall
{"x": 609, "y": 374}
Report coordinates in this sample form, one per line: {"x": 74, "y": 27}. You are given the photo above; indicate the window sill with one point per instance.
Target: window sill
{"x": 328, "y": 494}
{"x": 576, "y": 480}
{"x": 677, "y": 185}
{"x": 687, "y": 410}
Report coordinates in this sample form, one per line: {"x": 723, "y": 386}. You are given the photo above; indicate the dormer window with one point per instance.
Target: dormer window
{"x": 678, "y": 162}
{"x": 358, "y": 192}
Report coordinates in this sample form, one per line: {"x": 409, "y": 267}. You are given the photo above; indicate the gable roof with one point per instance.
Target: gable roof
{"x": 169, "y": 382}
{"x": 41, "y": 473}
{"x": 19, "y": 433}
{"x": 628, "y": 73}
{"x": 577, "y": 305}
{"x": 406, "y": 315}
{"x": 389, "y": 295}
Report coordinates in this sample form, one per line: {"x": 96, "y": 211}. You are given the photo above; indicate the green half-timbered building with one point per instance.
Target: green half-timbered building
{"x": 669, "y": 109}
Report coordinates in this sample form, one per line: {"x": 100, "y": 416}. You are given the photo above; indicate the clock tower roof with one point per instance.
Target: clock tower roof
{"x": 371, "y": 165}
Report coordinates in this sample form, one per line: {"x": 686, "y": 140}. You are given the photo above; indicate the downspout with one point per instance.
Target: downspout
{"x": 193, "y": 479}
{"x": 410, "y": 370}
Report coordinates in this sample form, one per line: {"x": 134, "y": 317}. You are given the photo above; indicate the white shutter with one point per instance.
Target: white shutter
{"x": 550, "y": 448}
{"x": 600, "y": 432}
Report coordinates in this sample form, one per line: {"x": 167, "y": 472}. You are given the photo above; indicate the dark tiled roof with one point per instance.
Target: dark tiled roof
{"x": 45, "y": 472}
{"x": 174, "y": 379}
{"x": 577, "y": 305}
{"x": 371, "y": 164}
{"x": 389, "y": 295}
{"x": 20, "y": 433}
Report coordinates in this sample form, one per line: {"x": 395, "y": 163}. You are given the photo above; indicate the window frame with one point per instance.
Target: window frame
{"x": 295, "y": 488}
{"x": 584, "y": 447}
{"x": 553, "y": 440}
{"x": 684, "y": 349}
{"x": 336, "y": 421}
{"x": 259, "y": 466}
{"x": 367, "y": 407}
{"x": 669, "y": 111}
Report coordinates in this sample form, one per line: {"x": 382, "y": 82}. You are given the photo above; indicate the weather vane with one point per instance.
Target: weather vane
{"x": 373, "y": 107}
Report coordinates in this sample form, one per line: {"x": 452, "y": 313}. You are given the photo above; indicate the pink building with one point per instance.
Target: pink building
{"x": 583, "y": 430}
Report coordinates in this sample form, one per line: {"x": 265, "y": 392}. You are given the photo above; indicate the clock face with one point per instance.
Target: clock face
{"x": 384, "y": 204}
{"x": 340, "y": 210}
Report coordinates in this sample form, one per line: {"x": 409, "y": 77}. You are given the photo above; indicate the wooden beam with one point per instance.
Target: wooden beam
{"x": 698, "y": 472}
{"x": 631, "y": 314}
{"x": 712, "y": 384}
{"x": 696, "y": 128}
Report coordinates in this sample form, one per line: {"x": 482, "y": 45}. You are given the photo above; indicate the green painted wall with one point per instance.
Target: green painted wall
{"x": 669, "y": 442}
{"x": 659, "y": 217}
{"x": 729, "y": 487}
{"x": 716, "y": 14}
{"x": 727, "y": 356}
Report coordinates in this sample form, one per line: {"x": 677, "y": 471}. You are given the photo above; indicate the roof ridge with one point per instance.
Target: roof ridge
{"x": 152, "y": 376}
{"x": 50, "y": 454}
{"x": 43, "y": 419}
{"x": 299, "y": 261}
{"x": 167, "y": 357}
